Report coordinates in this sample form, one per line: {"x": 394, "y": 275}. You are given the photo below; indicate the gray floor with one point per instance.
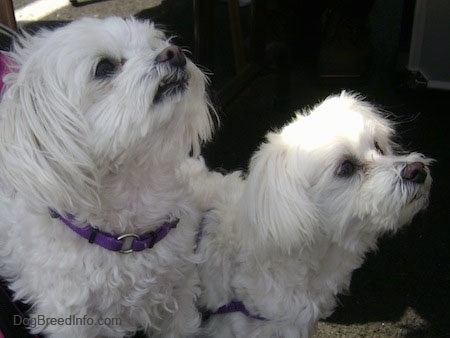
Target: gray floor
{"x": 85, "y": 8}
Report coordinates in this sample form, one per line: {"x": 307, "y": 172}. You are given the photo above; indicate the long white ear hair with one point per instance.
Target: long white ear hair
{"x": 201, "y": 113}
{"x": 43, "y": 157}
{"x": 276, "y": 211}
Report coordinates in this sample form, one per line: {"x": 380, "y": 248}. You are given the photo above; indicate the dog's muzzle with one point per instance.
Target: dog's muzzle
{"x": 175, "y": 81}
{"x": 414, "y": 172}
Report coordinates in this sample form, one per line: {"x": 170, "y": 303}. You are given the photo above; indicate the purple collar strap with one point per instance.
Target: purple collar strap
{"x": 125, "y": 243}
{"x": 233, "y": 306}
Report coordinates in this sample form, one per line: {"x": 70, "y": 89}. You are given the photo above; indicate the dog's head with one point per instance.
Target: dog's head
{"x": 92, "y": 97}
{"x": 334, "y": 171}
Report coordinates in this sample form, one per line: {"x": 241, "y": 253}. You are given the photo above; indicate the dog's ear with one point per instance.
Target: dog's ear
{"x": 42, "y": 143}
{"x": 276, "y": 208}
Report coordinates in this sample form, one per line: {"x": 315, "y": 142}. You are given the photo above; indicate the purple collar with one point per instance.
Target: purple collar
{"x": 125, "y": 243}
{"x": 233, "y": 306}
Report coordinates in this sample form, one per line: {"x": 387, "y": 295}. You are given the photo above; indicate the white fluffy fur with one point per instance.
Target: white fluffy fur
{"x": 285, "y": 240}
{"x": 104, "y": 151}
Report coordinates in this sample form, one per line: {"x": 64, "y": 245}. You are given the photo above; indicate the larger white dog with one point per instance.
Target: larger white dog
{"x": 95, "y": 119}
{"x": 281, "y": 244}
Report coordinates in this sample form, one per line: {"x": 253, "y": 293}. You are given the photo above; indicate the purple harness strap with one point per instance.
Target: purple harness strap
{"x": 125, "y": 243}
{"x": 233, "y": 306}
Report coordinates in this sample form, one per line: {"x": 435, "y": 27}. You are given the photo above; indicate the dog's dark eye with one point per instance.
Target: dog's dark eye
{"x": 378, "y": 148}
{"x": 346, "y": 169}
{"x": 105, "y": 68}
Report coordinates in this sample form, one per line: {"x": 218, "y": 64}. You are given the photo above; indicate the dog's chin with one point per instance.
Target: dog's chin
{"x": 411, "y": 209}
{"x": 418, "y": 200}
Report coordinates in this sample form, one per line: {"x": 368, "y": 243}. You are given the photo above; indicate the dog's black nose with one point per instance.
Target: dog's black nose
{"x": 173, "y": 55}
{"x": 414, "y": 172}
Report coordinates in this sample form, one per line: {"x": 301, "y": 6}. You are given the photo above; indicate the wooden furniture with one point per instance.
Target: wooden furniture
{"x": 246, "y": 66}
{"x": 7, "y": 17}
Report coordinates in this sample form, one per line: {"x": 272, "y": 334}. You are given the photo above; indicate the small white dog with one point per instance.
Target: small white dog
{"x": 280, "y": 245}
{"x": 96, "y": 118}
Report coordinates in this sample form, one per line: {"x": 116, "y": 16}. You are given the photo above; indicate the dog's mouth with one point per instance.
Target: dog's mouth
{"x": 414, "y": 197}
{"x": 171, "y": 85}
{"x": 413, "y": 193}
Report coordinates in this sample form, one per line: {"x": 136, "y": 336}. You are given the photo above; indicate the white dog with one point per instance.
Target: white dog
{"x": 280, "y": 245}
{"x": 95, "y": 119}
